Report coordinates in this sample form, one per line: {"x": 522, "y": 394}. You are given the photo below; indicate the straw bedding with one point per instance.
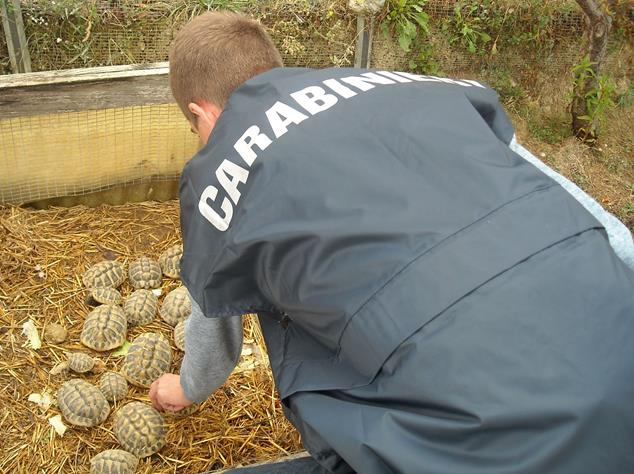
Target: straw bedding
{"x": 42, "y": 256}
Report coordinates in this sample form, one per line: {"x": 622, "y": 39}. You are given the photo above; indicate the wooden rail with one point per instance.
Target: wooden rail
{"x": 74, "y": 90}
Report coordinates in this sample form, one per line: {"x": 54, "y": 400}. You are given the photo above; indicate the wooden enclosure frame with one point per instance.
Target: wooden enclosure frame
{"x": 74, "y": 90}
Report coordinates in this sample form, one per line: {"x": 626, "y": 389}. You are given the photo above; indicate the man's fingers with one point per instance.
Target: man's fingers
{"x": 154, "y": 395}
{"x": 153, "y": 389}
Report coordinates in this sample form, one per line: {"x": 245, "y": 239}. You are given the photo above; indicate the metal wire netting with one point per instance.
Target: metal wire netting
{"x": 66, "y": 34}
{"x": 79, "y": 153}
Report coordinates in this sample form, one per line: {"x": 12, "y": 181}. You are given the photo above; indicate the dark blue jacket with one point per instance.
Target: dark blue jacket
{"x": 431, "y": 302}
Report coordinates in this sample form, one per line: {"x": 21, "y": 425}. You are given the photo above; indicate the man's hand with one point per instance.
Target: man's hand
{"x": 166, "y": 393}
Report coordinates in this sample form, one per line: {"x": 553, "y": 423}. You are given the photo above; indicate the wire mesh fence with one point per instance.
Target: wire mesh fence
{"x": 71, "y": 33}
{"x": 84, "y": 152}
{"x": 532, "y": 42}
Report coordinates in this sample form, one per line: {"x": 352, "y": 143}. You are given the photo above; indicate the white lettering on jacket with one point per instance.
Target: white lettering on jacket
{"x": 280, "y": 116}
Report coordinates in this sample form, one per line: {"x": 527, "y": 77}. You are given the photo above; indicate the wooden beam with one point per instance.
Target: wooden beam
{"x": 86, "y": 74}
{"x": 14, "y": 33}
{"x": 294, "y": 463}
{"x": 74, "y": 90}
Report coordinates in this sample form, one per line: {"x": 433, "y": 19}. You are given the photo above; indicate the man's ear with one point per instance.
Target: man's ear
{"x": 206, "y": 114}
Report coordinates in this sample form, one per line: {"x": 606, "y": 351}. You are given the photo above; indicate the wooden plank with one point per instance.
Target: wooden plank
{"x": 14, "y": 33}
{"x": 90, "y": 74}
{"x": 75, "y": 96}
{"x": 279, "y": 468}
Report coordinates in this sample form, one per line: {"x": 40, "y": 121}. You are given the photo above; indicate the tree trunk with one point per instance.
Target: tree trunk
{"x": 584, "y": 125}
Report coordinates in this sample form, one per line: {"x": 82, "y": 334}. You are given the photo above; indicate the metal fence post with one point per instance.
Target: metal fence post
{"x": 16, "y": 38}
{"x": 363, "y": 50}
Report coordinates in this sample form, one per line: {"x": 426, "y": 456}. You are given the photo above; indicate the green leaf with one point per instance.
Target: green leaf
{"x": 385, "y": 30}
{"x": 404, "y": 42}
{"x": 123, "y": 350}
{"x": 423, "y": 21}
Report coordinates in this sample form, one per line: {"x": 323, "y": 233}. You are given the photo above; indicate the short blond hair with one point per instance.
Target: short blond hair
{"x": 214, "y": 54}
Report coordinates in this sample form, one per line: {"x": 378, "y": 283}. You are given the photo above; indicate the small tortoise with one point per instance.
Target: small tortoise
{"x": 176, "y": 306}
{"x": 107, "y": 273}
{"x": 170, "y": 261}
{"x": 113, "y": 386}
{"x": 140, "y": 307}
{"x": 140, "y": 429}
{"x": 81, "y": 363}
{"x": 55, "y": 333}
{"x": 182, "y": 413}
{"x": 81, "y": 403}
{"x": 145, "y": 273}
{"x": 179, "y": 335}
{"x": 149, "y": 356}
{"x": 103, "y": 295}
{"x": 105, "y": 328}
{"x": 114, "y": 461}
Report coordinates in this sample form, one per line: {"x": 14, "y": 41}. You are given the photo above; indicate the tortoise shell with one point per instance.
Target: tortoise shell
{"x": 140, "y": 307}
{"x": 149, "y": 356}
{"x": 140, "y": 429}
{"x": 107, "y": 273}
{"x": 105, "y": 328}
{"x": 176, "y": 306}
{"x": 55, "y": 333}
{"x": 190, "y": 410}
{"x": 82, "y": 404}
{"x": 103, "y": 295}
{"x": 114, "y": 461}
{"x": 145, "y": 273}
{"x": 179, "y": 335}
{"x": 80, "y": 362}
{"x": 113, "y": 386}
{"x": 170, "y": 261}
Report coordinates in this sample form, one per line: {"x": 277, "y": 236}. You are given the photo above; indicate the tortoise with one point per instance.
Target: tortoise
{"x": 170, "y": 261}
{"x": 55, "y": 333}
{"x": 114, "y": 461}
{"x": 140, "y": 429}
{"x": 113, "y": 386}
{"x": 149, "y": 356}
{"x": 176, "y": 306}
{"x": 80, "y": 362}
{"x": 145, "y": 273}
{"x": 179, "y": 335}
{"x": 140, "y": 307}
{"x": 81, "y": 403}
{"x": 103, "y": 295}
{"x": 107, "y": 273}
{"x": 105, "y": 328}
{"x": 191, "y": 409}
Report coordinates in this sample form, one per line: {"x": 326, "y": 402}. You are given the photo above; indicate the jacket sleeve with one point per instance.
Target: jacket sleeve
{"x": 212, "y": 350}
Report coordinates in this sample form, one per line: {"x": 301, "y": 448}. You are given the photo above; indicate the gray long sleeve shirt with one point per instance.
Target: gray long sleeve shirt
{"x": 213, "y": 345}
{"x": 212, "y": 350}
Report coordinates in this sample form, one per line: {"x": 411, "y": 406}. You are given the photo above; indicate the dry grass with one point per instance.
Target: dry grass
{"x": 241, "y": 423}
